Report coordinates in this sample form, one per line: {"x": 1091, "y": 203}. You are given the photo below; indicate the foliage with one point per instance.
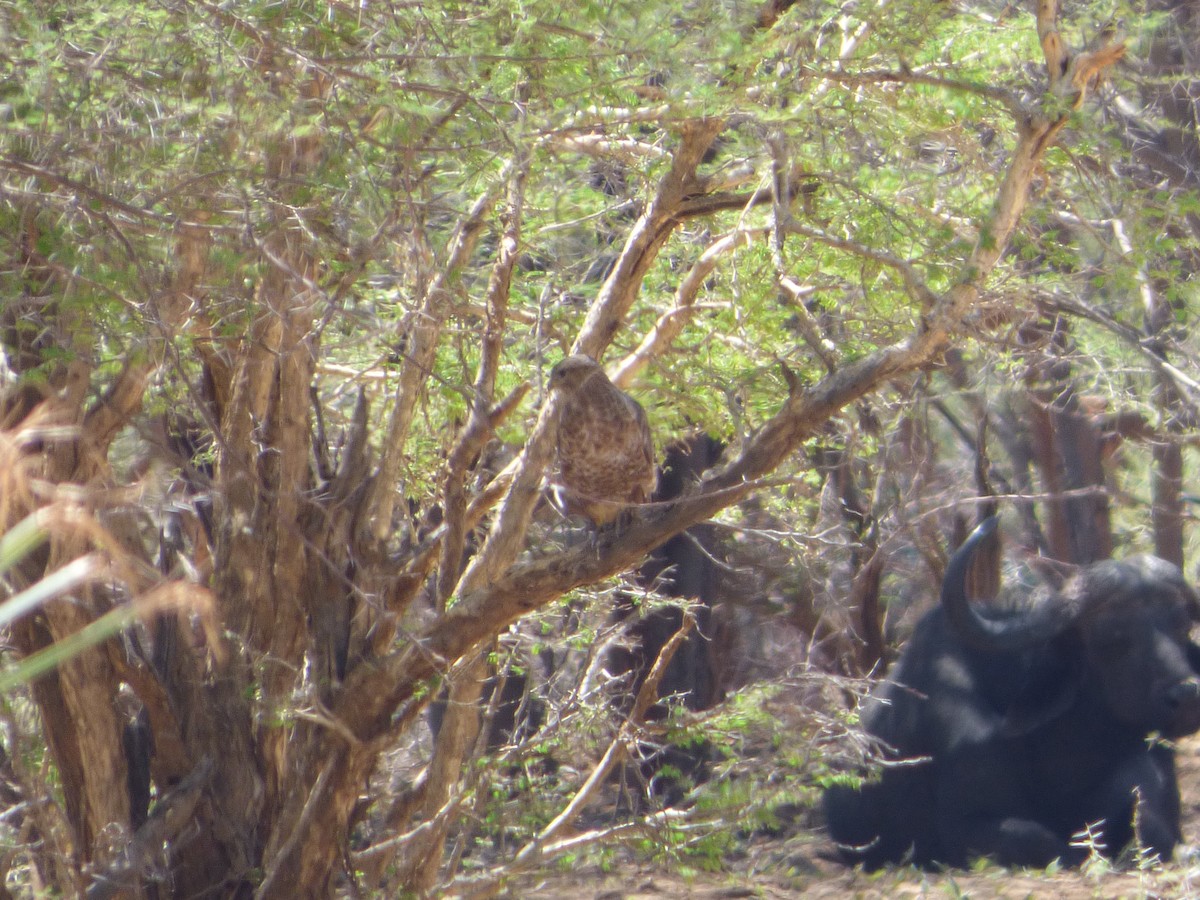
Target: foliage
{"x": 277, "y": 265}
{"x": 175, "y": 115}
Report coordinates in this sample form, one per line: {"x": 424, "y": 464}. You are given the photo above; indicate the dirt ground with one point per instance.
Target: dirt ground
{"x": 793, "y": 866}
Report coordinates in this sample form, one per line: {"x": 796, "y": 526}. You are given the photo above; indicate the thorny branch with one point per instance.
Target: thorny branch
{"x": 423, "y": 328}
{"x": 543, "y": 846}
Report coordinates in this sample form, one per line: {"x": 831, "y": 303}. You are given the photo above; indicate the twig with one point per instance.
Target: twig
{"x": 137, "y": 860}
{"x": 670, "y": 324}
{"x": 543, "y": 846}
{"x": 422, "y": 339}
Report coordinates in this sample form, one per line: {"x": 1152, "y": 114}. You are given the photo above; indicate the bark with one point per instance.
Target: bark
{"x": 1069, "y": 453}
{"x": 270, "y": 585}
{"x": 647, "y": 237}
{"x": 1085, "y": 506}
{"x": 78, "y": 702}
{"x": 376, "y": 700}
{"x": 288, "y": 707}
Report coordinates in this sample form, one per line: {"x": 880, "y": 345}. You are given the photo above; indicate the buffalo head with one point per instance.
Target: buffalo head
{"x": 1124, "y": 625}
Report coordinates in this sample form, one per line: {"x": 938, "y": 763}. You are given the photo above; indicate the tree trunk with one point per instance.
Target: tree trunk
{"x": 270, "y": 725}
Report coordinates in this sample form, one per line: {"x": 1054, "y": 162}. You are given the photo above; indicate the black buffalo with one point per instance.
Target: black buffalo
{"x": 1008, "y": 734}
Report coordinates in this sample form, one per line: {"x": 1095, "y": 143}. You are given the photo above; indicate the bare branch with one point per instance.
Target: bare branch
{"x": 535, "y": 852}
{"x": 479, "y": 425}
{"x": 646, "y": 238}
{"x": 603, "y": 146}
{"x": 825, "y": 350}
{"x": 424, "y": 328}
{"x": 912, "y": 281}
{"x": 1187, "y": 387}
{"x": 614, "y": 115}
{"x": 671, "y": 323}
{"x": 1006, "y": 98}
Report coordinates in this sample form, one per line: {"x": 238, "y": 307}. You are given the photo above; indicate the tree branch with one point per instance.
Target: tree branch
{"x": 912, "y": 281}
{"x": 671, "y": 323}
{"x": 1006, "y": 98}
{"x": 535, "y": 853}
{"x": 646, "y": 238}
{"x": 141, "y": 856}
{"x": 424, "y": 328}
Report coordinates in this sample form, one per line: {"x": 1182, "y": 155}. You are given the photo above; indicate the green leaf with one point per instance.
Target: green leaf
{"x": 60, "y": 581}
{"x": 21, "y": 540}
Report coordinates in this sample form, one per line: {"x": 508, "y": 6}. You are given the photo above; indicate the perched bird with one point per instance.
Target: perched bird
{"x": 605, "y": 450}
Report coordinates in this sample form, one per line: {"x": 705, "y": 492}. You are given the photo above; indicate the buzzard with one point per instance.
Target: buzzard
{"x": 605, "y": 451}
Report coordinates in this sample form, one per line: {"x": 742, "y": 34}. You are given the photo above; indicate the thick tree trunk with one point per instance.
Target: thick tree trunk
{"x": 1068, "y": 452}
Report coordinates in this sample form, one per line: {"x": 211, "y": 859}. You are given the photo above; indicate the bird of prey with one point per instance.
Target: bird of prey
{"x": 605, "y": 450}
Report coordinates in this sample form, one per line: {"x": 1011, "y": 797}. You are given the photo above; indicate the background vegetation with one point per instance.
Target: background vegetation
{"x": 281, "y": 284}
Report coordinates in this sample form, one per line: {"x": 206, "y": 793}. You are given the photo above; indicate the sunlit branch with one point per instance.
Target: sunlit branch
{"x": 601, "y": 146}
{"x": 1005, "y": 97}
{"x": 912, "y": 280}
{"x": 671, "y": 323}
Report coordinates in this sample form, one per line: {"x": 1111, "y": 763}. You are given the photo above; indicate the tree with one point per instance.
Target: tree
{"x": 294, "y": 268}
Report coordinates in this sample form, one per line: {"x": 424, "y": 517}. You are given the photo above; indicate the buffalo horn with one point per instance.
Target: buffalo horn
{"x": 1011, "y": 632}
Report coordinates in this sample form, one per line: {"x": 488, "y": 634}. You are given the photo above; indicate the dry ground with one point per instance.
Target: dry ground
{"x": 773, "y": 868}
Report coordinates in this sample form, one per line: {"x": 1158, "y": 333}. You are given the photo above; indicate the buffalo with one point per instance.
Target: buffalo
{"x": 1034, "y": 733}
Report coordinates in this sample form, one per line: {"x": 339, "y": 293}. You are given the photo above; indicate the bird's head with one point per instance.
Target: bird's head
{"x": 573, "y": 371}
